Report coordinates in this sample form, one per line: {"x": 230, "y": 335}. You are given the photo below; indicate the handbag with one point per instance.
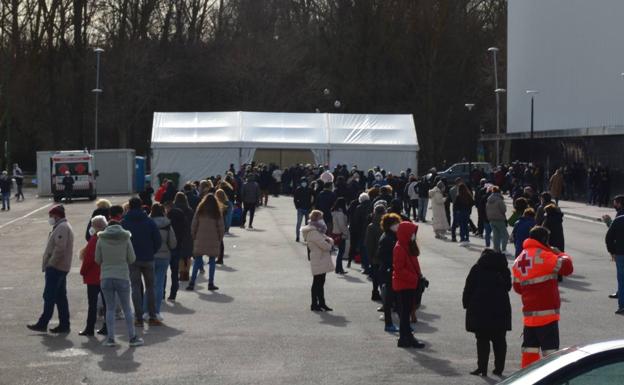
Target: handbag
{"x": 337, "y": 238}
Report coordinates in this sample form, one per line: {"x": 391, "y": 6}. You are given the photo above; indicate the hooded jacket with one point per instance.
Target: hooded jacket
{"x": 146, "y": 238}
{"x": 495, "y": 208}
{"x": 320, "y": 246}
{"x": 406, "y": 268}
{"x": 113, "y": 252}
{"x": 486, "y": 294}
{"x": 167, "y": 234}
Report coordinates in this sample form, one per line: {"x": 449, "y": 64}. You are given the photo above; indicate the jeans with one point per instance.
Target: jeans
{"x": 160, "y": 274}
{"x": 55, "y": 293}
{"x": 454, "y": 224}
{"x": 141, "y": 270}
{"x": 422, "y": 208}
{"x": 93, "y": 291}
{"x": 500, "y": 236}
{"x": 318, "y": 290}
{"x": 228, "y": 216}
{"x": 499, "y": 343}
{"x": 487, "y": 233}
{"x": 251, "y": 208}
{"x": 619, "y": 264}
{"x": 114, "y": 288}
{"x": 463, "y": 216}
{"x": 413, "y": 208}
{"x": 301, "y": 214}
{"x": 174, "y": 265}
{"x": 198, "y": 263}
{"x": 406, "y": 300}
{"x": 6, "y": 200}
{"x": 341, "y": 250}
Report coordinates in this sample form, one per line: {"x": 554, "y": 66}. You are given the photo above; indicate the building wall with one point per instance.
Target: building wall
{"x": 571, "y": 51}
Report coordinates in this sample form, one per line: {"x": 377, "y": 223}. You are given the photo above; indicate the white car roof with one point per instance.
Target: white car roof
{"x": 602, "y": 346}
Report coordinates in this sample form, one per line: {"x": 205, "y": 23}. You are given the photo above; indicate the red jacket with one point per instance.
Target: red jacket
{"x": 90, "y": 270}
{"x": 160, "y": 192}
{"x": 406, "y": 269}
{"x": 535, "y": 274}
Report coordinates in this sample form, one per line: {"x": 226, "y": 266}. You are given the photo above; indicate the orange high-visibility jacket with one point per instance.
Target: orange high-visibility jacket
{"x": 535, "y": 273}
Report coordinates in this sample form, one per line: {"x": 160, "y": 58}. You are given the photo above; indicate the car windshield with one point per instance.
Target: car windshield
{"x": 520, "y": 375}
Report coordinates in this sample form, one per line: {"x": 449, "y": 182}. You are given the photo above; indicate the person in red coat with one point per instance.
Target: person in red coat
{"x": 405, "y": 276}
{"x": 90, "y": 272}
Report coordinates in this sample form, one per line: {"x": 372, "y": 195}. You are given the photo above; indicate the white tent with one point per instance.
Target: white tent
{"x": 200, "y": 144}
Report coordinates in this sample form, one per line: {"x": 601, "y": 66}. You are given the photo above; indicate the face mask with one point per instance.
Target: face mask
{"x": 304, "y": 185}
{"x": 51, "y": 221}
{"x": 394, "y": 227}
{"x": 91, "y": 231}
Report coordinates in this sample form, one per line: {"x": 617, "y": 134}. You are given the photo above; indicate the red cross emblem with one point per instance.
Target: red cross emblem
{"x": 525, "y": 263}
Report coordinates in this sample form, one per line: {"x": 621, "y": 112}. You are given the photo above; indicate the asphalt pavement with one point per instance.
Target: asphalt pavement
{"x": 258, "y": 329}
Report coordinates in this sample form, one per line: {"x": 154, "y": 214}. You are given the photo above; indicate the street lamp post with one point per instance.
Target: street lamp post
{"x": 469, "y": 106}
{"x": 97, "y": 91}
{"x": 494, "y": 52}
{"x": 532, "y": 93}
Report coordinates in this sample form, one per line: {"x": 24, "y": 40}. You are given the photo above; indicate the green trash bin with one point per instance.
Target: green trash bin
{"x": 172, "y": 176}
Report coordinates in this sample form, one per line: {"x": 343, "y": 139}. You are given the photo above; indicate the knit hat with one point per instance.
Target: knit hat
{"x": 380, "y": 202}
{"x": 58, "y": 211}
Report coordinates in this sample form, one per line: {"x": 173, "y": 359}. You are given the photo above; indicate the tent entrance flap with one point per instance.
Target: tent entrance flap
{"x": 283, "y": 157}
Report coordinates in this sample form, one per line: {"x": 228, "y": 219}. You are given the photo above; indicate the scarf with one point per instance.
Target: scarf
{"x": 319, "y": 225}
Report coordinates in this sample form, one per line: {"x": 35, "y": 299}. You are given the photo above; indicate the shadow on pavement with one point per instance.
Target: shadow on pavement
{"x": 573, "y": 284}
{"x": 215, "y": 297}
{"x": 438, "y": 365}
{"x": 226, "y": 268}
{"x": 333, "y": 320}
{"x": 123, "y": 363}
{"x": 351, "y": 278}
{"x": 56, "y": 343}
{"x": 426, "y": 316}
{"x": 160, "y": 334}
{"x": 422, "y": 327}
{"x": 175, "y": 308}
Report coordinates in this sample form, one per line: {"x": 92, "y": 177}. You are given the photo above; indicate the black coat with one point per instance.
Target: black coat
{"x": 486, "y": 294}
{"x": 553, "y": 221}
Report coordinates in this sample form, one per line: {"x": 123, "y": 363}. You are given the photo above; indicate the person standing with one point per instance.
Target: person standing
{"x": 250, "y": 195}
{"x": 324, "y": 202}
{"x": 146, "y": 241}
{"x": 423, "y": 199}
{"x": 340, "y": 232}
{"x": 178, "y": 225}
{"x": 57, "y": 259}
{"x": 162, "y": 258}
{"x": 556, "y": 185}
{"x": 361, "y": 220}
{"x": 320, "y": 246}
{"x": 462, "y": 206}
{"x": 553, "y": 221}
{"x": 5, "y": 190}
{"x": 303, "y": 198}
{"x": 102, "y": 207}
{"x": 522, "y": 228}
{"x": 495, "y": 209}
{"x": 440, "y": 223}
{"x": 387, "y": 241}
{"x": 488, "y": 310}
{"x": 207, "y": 231}
{"x": 68, "y": 186}
{"x": 412, "y": 196}
{"x": 90, "y": 272}
{"x": 186, "y": 242}
{"x": 18, "y": 175}
{"x": 535, "y": 274}
{"x": 615, "y": 246}
{"x": 114, "y": 252}
{"x": 373, "y": 233}
{"x": 405, "y": 277}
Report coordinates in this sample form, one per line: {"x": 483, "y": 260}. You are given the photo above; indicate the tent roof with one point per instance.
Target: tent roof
{"x": 282, "y": 130}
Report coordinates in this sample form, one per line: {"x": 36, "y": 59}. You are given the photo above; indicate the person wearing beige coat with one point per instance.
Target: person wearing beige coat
{"x": 207, "y": 230}
{"x": 319, "y": 247}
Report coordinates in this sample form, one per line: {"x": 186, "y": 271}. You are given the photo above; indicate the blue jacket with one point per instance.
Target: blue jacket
{"x": 521, "y": 232}
{"x": 145, "y": 234}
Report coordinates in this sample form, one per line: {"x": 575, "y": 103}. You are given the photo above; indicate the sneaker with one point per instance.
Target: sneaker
{"x": 155, "y": 322}
{"x": 145, "y": 317}
{"x": 136, "y": 341}
{"x": 614, "y": 295}
{"x": 382, "y": 317}
{"x": 109, "y": 342}
{"x": 212, "y": 287}
{"x": 391, "y": 329}
{"x": 103, "y": 331}
{"x": 159, "y": 317}
{"x": 190, "y": 287}
{"x": 618, "y": 311}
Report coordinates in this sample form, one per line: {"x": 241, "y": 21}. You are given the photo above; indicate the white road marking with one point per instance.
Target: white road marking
{"x": 25, "y": 216}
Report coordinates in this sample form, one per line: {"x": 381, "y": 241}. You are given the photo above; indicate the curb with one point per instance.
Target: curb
{"x": 569, "y": 214}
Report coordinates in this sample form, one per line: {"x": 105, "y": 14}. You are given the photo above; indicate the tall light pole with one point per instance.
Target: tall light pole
{"x": 469, "y": 107}
{"x": 97, "y": 91}
{"x": 494, "y": 52}
{"x": 532, "y": 93}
